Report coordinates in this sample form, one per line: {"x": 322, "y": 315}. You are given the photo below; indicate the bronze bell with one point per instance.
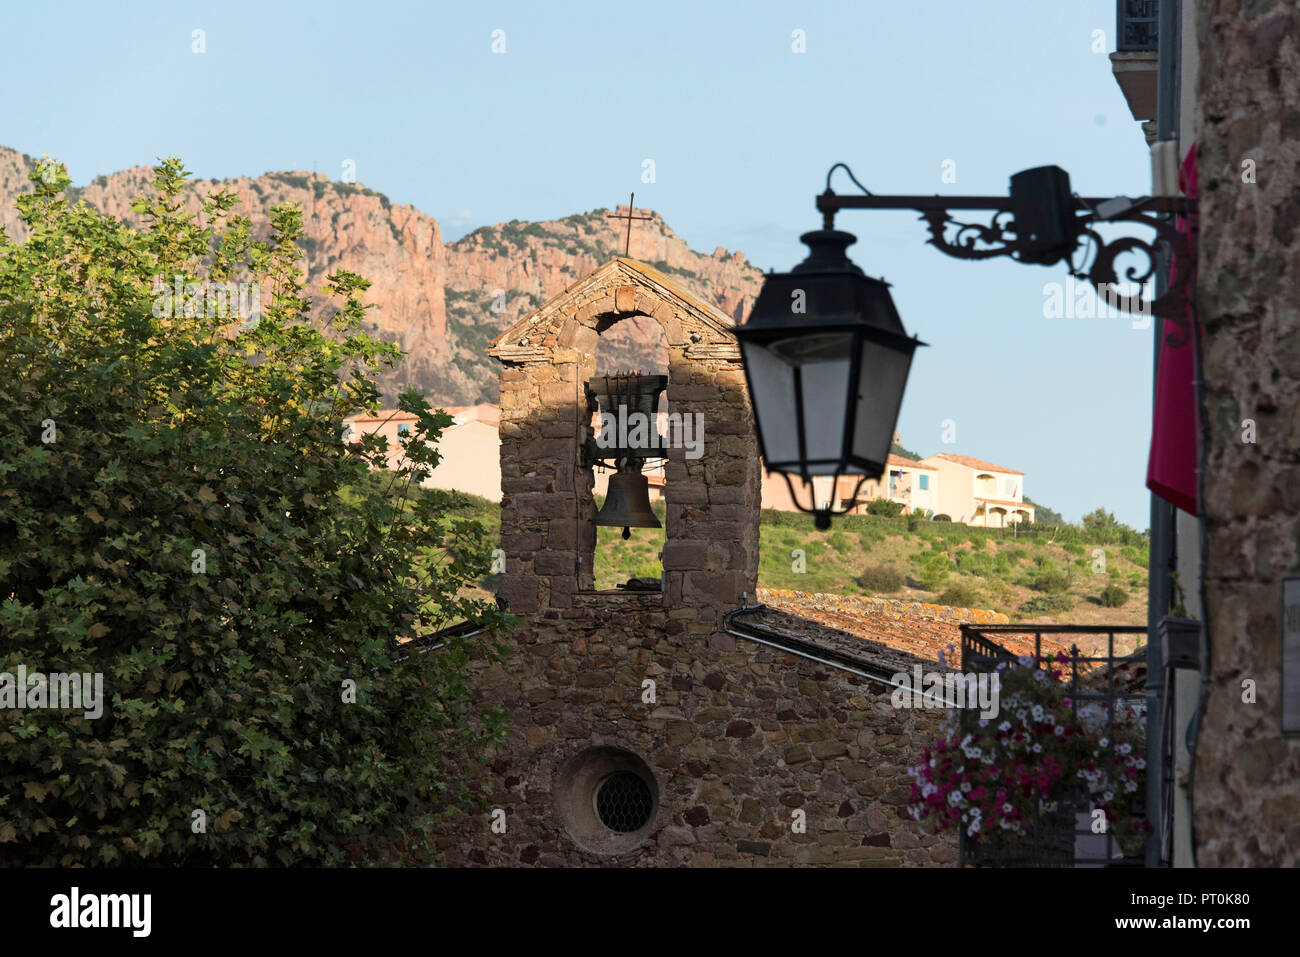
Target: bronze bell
{"x": 628, "y": 501}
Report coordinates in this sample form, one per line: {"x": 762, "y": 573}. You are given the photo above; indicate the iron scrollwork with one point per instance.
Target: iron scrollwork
{"x": 1172, "y": 305}
{"x": 971, "y": 240}
{"x": 967, "y": 240}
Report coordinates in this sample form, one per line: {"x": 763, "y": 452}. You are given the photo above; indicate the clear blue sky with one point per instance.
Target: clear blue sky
{"x": 741, "y": 130}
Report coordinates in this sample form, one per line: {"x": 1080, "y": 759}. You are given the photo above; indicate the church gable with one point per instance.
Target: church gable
{"x": 620, "y": 288}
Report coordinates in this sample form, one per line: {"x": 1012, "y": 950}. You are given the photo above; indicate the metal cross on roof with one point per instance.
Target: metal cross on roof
{"x": 629, "y": 216}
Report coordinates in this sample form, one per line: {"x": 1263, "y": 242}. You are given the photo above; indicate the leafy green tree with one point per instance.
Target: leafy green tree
{"x": 1100, "y": 520}
{"x": 935, "y": 570}
{"x": 1044, "y": 515}
{"x": 179, "y": 513}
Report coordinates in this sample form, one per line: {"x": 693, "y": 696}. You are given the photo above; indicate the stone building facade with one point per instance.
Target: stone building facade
{"x": 1247, "y": 108}
{"x": 648, "y": 728}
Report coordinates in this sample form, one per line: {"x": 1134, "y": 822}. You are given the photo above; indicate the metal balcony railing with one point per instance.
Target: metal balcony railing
{"x": 1137, "y": 26}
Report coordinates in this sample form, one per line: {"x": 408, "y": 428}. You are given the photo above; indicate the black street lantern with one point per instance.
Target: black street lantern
{"x": 825, "y": 354}
{"x": 826, "y": 361}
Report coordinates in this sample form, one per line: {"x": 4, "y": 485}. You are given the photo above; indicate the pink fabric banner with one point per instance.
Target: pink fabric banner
{"x": 1172, "y": 465}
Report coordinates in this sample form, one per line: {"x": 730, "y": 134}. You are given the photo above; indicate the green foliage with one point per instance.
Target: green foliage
{"x": 960, "y": 594}
{"x": 1049, "y": 579}
{"x": 884, "y": 506}
{"x": 1100, "y": 527}
{"x": 942, "y": 518}
{"x": 983, "y": 564}
{"x": 197, "y": 533}
{"x": 1047, "y": 604}
{"x": 1113, "y": 596}
{"x": 935, "y": 570}
{"x": 870, "y": 536}
{"x": 1100, "y": 519}
{"x": 1044, "y": 515}
{"x": 885, "y": 579}
{"x": 897, "y": 449}
{"x": 1138, "y": 556}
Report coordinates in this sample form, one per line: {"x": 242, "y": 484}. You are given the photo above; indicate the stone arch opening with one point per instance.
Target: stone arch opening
{"x": 548, "y": 357}
{"x": 633, "y": 343}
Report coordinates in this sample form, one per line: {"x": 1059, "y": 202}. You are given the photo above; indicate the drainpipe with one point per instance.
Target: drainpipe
{"x": 1162, "y": 515}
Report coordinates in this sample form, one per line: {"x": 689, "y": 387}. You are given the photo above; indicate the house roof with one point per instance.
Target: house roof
{"x": 909, "y": 463}
{"x": 382, "y": 416}
{"x": 973, "y": 463}
{"x": 484, "y": 412}
{"x": 883, "y": 635}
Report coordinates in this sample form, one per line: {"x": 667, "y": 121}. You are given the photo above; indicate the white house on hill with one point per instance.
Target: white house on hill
{"x": 978, "y": 492}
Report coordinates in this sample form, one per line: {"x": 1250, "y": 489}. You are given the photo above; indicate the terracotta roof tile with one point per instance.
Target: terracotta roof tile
{"x": 384, "y": 415}
{"x": 973, "y": 463}
{"x": 888, "y": 632}
{"x": 909, "y": 463}
{"x": 484, "y": 412}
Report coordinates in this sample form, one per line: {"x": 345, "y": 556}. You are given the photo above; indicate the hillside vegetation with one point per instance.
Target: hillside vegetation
{"x": 1069, "y": 574}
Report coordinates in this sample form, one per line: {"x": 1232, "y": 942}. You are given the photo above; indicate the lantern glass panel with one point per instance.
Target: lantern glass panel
{"x": 824, "y": 362}
{"x": 880, "y": 395}
{"x": 772, "y": 387}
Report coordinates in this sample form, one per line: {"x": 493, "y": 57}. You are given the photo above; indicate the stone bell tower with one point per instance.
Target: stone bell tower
{"x": 548, "y": 531}
{"x": 598, "y": 685}
{"x": 644, "y": 727}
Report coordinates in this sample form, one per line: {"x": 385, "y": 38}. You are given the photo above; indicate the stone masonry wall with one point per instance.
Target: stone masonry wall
{"x": 1247, "y": 776}
{"x": 739, "y": 737}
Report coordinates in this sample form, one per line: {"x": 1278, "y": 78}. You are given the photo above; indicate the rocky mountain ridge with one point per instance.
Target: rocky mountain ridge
{"x": 442, "y": 302}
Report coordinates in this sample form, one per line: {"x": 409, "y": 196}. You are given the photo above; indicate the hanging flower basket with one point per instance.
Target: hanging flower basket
{"x": 1013, "y": 784}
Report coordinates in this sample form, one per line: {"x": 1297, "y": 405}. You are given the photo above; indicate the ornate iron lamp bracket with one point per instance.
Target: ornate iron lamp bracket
{"x": 965, "y": 240}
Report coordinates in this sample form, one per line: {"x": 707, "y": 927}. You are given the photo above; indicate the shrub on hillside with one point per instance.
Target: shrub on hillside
{"x": 882, "y": 578}
{"x": 1113, "y": 596}
{"x": 935, "y": 571}
{"x": 982, "y": 564}
{"x": 1138, "y": 556}
{"x": 961, "y": 595}
{"x": 942, "y": 518}
{"x": 1047, "y": 604}
{"x": 1049, "y": 579}
{"x": 191, "y": 528}
{"x": 885, "y": 507}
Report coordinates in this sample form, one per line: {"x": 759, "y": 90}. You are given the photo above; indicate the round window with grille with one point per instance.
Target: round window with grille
{"x": 624, "y": 802}
{"x": 607, "y": 798}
